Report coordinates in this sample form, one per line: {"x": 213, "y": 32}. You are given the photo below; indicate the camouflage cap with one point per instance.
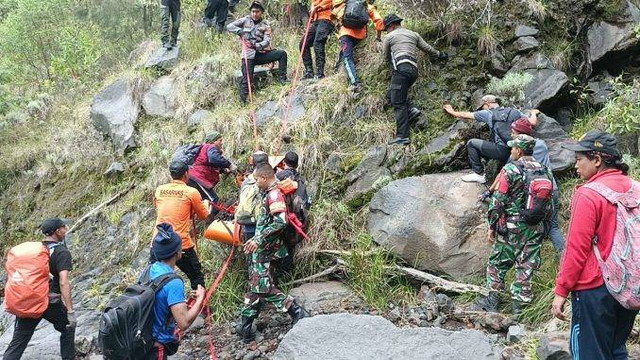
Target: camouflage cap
{"x": 212, "y": 137}
{"x": 524, "y": 142}
{"x": 487, "y": 99}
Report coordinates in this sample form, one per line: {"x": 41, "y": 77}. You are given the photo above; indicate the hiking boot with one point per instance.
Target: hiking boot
{"x": 400, "y": 141}
{"x": 167, "y": 46}
{"x": 308, "y": 75}
{"x": 296, "y": 312}
{"x": 319, "y": 76}
{"x": 246, "y": 330}
{"x": 414, "y": 114}
{"x": 283, "y": 80}
{"x": 487, "y": 303}
{"x": 473, "y": 177}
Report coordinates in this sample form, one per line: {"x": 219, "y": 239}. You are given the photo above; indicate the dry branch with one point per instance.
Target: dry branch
{"x": 331, "y": 270}
{"x": 97, "y": 208}
{"x": 441, "y": 283}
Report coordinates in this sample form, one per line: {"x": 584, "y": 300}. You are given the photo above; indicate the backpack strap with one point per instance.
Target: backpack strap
{"x": 630, "y": 199}
{"x": 162, "y": 280}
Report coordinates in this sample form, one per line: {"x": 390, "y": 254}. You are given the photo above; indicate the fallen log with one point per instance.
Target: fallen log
{"x": 97, "y": 208}
{"x": 331, "y": 270}
{"x": 438, "y": 282}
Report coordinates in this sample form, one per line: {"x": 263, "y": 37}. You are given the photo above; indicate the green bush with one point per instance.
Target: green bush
{"x": 510, "y": 88}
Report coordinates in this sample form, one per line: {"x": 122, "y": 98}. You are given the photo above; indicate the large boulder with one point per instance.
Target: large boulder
{"x": 524, "y": 30}
{"x": 433, "y": 222}
{"x": 114, "y": 112}
{"x": 355, "y": 337}
{"x": 525, "y": 44}
{"x": 614, "y": 35}
{"x": 276, "y": 109}
{"x": 545, "y": 86}
{"x": 325, "y": 296}
{"x": 554, "y": 136}
{"x": 160, "y": 99}
{"x": 164, "y": 59}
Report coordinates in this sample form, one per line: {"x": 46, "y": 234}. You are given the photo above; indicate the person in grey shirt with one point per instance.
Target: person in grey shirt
{"x": 499, "y": 119}
{"x": 401, "y": 47}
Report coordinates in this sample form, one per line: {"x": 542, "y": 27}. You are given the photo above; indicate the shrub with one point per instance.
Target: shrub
{"x": 510, "y": 88}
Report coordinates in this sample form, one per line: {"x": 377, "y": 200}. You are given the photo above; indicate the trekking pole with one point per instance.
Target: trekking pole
{"x": 294, "y": 83}
{"x": 252, "y": 112}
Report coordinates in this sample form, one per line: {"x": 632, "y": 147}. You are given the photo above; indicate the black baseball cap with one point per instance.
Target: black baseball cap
{"x": 596, "y": 140}
{"x": 50, "y": 226}
{"x": 178, "y": 168}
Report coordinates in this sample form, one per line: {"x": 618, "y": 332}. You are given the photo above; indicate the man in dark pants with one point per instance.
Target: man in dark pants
{"x": 218, "y": 9}
{"x": 170, "y": 19}
{"x": 176, "y": 202}
{"x": 401, "y": 47}
{"x": 317, "y": 37}
{"x": 60, "y": 312}
{"x": 255, "y": 34}
{"x": 499, "y": 120}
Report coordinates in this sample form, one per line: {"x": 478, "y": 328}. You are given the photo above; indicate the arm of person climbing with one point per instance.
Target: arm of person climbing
{"x": 377, "y": 20}
{"x": 579, "y": 243}
{"x": 184, "y": 315}
{"x": 278, "y": 224}
{"x": 464, "y": 115}
{"x": 386, "y": 48}
{"x": 215, "y": 159}
{"x": 65, "y": 290}
{"x": 533, "y": 117}
{"x": 426, "y": 48}
{"x": 236, "y": 26}
{"x": 266, "y": 39}
{"x": 200, "y": 207}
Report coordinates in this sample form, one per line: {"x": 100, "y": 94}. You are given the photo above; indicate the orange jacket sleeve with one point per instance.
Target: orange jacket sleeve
{"x": 198, "y": 205}
{"x": 376, "y": 18}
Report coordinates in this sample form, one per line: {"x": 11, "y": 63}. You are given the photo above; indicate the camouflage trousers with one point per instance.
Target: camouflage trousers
{"x": 521, "y": 247}
{"x": 262, "y": 288}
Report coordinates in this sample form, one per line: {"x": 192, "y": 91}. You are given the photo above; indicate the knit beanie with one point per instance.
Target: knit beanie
{"x": 166, "y": 243}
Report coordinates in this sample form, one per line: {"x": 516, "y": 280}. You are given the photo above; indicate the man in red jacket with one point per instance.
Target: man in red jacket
{"x": 600, "y": 326}
{"x": 205, "y": 172}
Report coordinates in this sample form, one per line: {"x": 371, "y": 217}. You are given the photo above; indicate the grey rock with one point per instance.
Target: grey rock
{"x": 114, "y": 169}
{"x": 251, "y": 355}
{"x": 354, "y": 337}
{"x": 160, "y": 99}
{"x": 164, "y": 59}
{"x": 544, "y": 87}
{"x": 554, "y": 136}
{"x": 445, "y": 304}
{"x": 334, "y": 164}
{"x": 511, "y": 353}
{"x": 499, "y": 64}
{"x": 433, "y": 222}
{"x": 199, "y": 117}
{"x": 516, "y": 333}
{"x": 277, "y": 109}
{"x": 394, "y": 315}
{"x": 554, "y": 346}
{"x": 601, "y": 88}
{"x": 443, "y": 141}
{"x": 494, "y": 321}
{"x": 260, "y": 74}
{"x": 114, "y": 112}
{"x": 370, "y": 171}
{"x": 531, "y": 61}
{"x": 524, "y": 30}
{"x": 614, "y": 35}
{"x": 318, "y": 296}
{"x": 525, "y": 44}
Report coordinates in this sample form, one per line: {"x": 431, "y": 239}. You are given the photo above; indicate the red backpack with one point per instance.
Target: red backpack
{"x": 621, "y": 270}
{"x": 27, "y": 289}
{"x": 539, "y": 188}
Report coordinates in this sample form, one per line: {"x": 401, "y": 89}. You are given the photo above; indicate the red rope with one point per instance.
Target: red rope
{"x": 252, "y": 113}
{"x": 294, "y": 83}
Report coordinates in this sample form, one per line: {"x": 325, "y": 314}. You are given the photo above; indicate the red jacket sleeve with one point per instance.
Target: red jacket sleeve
{"x": 579, "y": 247}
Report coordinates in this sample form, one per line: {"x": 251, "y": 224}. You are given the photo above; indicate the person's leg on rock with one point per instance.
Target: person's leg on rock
{"x": 306, "y": 52}
{"x": 165, "y": 36}
{"x": 210, "y": 12}
{"x": 222, "y": 13}
{"x": 401, "y": 80}
{"x": 347, "y": 46}
{"x": 528, "y": 243}
{"x": 190, "y": 266}
{"x": 478, "y": 149}
{"x": 274, "y": 55}
{"x": 175, "y": 21}
{"x": 501, "y": 260}
{"x": 22, "y": 332}
{"x": 324, "y": 29}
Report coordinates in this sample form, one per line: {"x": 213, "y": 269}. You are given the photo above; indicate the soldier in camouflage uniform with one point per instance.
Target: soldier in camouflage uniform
{"x": 265, "y": 246}
{"x": 521, "y": 246}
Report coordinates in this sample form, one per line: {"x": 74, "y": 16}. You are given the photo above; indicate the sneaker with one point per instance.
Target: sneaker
{"x": 473, "y": 177}
{"x": 414, "y": 114}
{"x": 400, "y": 141}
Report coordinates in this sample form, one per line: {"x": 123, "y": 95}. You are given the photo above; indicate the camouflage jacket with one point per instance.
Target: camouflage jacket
{"x": 270, "y": 225}
{"x": 511, "y": 194}
{"x": 257, "y": 35}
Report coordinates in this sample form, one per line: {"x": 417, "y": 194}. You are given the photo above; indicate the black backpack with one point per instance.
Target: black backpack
{"x": 356, "y": 14}
{"x": 126, "y": 325}
{"x": 538, "y": 189}
{"x": 186, "y": 153}
{"x": 502, "y": 119}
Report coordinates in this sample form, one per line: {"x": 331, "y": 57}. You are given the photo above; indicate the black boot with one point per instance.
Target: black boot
{"x": 308, "y": 75}
{"x": 488, "y": 303}
{"x": 246, "y": 330}
{"x": 283, "y": 80}
{"x": 296, "y": 312}
{"x": 414, "y": 113}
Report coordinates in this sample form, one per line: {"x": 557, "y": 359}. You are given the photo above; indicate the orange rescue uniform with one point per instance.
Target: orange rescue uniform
{"x": 361, "y": 33}
{"x": 322, "y": 8}
{"x": 175, "y": 203}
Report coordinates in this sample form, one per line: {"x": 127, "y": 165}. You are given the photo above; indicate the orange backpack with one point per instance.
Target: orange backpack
{"x": 27, "y": 289}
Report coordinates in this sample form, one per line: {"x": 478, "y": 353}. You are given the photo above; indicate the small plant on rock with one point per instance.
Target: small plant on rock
{"x": 487, "y": 40}
{"x": 510, "y": 88}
